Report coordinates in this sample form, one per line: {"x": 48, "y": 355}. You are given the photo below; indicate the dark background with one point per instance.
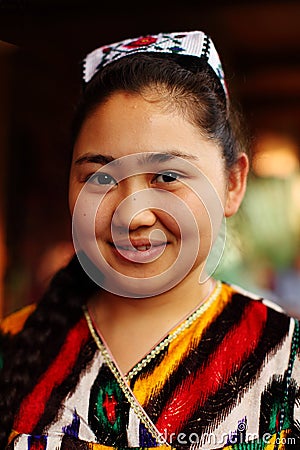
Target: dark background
{"x": 43, "y": 43}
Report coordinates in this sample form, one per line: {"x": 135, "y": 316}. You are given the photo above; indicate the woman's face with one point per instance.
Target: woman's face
{"x": 148, "y": 193}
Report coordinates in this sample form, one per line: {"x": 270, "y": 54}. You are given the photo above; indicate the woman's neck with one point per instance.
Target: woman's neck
{"x": 175, "y": 303}
{"x": 131, "y": 327}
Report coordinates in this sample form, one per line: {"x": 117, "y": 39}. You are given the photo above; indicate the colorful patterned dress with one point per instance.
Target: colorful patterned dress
{"x": 227, "y": 377}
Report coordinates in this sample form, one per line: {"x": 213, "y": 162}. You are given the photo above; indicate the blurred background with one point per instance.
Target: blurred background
{"x": 41, "y": 48}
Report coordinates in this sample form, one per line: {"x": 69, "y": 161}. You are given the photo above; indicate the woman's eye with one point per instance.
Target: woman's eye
{"x": 167, "y": 177}
{"x": 102, "y": 178}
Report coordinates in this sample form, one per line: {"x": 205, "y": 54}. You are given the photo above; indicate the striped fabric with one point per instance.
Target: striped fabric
{"x": 230, "y": 380}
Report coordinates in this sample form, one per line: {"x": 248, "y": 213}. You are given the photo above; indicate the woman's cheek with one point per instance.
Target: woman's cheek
{"x": 169, "y": 221}
{"x": 102, "y": 224}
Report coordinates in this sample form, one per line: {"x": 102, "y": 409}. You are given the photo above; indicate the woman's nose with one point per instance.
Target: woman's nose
{"x": 132, "y": 211}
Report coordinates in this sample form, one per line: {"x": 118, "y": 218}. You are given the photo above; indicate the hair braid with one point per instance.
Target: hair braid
{"x": 30, "y": 352}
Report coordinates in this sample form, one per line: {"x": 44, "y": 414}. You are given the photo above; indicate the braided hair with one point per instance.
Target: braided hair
{"x": 40, "y": 339}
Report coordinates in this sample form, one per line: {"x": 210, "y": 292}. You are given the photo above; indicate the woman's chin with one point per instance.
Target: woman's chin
{"x": 139, "y": 287}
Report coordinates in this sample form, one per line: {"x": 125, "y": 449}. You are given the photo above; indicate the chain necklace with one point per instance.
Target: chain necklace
{"x": 124, "y": 380}
{"x": 123, "y": 385}
{"x": 186, "y": 324}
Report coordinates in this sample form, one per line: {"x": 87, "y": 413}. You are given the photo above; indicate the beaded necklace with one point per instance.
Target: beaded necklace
{"x": 123, "y": 381}
{"x": 186, "y": 324}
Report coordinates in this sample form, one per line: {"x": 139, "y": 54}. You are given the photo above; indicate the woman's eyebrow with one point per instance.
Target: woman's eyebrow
{"x": 142, "y": 158}
{"x": 167, "y": 156}
{"x": 94, "y": 158}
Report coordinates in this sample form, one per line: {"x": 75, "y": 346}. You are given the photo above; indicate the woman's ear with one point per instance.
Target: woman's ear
{"x": 237, "y": 181}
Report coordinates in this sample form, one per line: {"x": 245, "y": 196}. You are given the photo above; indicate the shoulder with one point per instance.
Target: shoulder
{"x": 248, "y": 296}
{"x": 272, "y": 334}
{"x": 270, "y": 320}
{"x": 15, "y": 321}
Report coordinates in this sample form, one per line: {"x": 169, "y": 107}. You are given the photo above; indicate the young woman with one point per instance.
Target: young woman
{"x": 135, "y": 345}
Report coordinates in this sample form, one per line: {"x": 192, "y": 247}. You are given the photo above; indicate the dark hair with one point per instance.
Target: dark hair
{"x": 184, "y": 82}
{"x": 28, "y": 354}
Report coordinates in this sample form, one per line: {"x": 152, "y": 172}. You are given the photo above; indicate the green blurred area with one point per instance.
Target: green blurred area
{"x": 263, "y": 238}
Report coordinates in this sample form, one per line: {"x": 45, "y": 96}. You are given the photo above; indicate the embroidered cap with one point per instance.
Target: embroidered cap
{"x": 192, "y": 43}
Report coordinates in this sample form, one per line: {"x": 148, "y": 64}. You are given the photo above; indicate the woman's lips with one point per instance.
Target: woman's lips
{"x": 140, "y": 251}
